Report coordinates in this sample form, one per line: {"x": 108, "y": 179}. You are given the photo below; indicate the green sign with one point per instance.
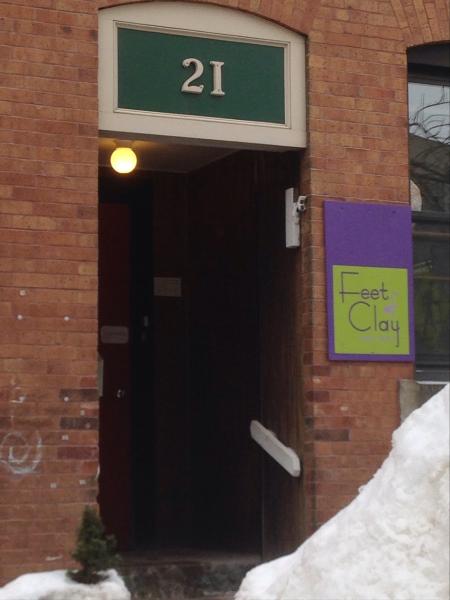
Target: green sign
{"x": 190, "y": 75}
{"x": 370, "y": 307}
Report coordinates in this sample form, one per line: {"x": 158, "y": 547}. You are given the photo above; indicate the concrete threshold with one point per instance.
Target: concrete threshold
{"x": 185, "y": 574}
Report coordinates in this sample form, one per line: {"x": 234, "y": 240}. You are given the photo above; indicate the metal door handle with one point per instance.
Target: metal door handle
{"x": 120, "y": 394}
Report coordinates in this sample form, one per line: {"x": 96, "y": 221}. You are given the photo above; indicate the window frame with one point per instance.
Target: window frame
{"x": 432, "y": 369}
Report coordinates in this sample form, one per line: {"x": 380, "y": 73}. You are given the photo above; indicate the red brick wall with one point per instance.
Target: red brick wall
{"x": 48, "y": 250}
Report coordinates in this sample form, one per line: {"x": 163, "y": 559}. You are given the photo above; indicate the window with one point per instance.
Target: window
{"x": 429, "y": 160}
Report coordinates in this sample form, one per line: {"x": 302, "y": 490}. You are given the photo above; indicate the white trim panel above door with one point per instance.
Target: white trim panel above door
{"x": 206, "y": 74}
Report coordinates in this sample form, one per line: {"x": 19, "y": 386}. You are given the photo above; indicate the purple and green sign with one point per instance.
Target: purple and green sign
{"x": 369, "y": 266}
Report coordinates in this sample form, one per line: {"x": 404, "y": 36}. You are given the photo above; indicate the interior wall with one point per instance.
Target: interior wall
{"x": 171, "y": 435}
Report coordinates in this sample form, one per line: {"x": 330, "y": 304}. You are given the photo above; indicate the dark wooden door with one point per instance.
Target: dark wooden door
{"x": 114, "y": 348}
{"x": 280, "y": 376}
{"x": 224, "y": 338}
{"x": 245, "y": 355}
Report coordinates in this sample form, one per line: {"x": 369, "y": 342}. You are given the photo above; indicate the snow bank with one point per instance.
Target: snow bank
{"x": 391, "y": 542}
{"x": 56, "y": 585}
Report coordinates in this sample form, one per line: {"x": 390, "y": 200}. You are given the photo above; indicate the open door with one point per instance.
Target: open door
{"x": 280, "y": 376}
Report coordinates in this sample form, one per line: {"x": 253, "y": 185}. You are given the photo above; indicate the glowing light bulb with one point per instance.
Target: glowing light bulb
{"x": 123, "y": 160}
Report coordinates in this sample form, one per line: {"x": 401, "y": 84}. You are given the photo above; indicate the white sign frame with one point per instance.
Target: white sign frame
{"x": 203, "y": 21}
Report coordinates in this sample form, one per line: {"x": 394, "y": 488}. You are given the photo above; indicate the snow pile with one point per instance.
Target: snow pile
{"x": 391, "y": 542}
{"x": 56, "y": 585}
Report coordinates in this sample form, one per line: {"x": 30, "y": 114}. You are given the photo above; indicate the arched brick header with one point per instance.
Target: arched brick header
{"x": 296, "y": 16}
{"x": 423, "y": 23}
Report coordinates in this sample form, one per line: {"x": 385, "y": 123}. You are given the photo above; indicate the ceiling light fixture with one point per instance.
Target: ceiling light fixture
{"x": 123, "y": 160}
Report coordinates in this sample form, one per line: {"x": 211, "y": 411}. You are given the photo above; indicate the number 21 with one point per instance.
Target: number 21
{"x": 198, "y": 72}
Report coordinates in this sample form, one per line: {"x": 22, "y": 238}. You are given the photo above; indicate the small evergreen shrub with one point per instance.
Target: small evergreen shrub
{"x": 95, "y": 551}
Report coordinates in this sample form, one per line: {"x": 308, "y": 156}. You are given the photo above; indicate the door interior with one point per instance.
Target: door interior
{"x": 197, "y": 336}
